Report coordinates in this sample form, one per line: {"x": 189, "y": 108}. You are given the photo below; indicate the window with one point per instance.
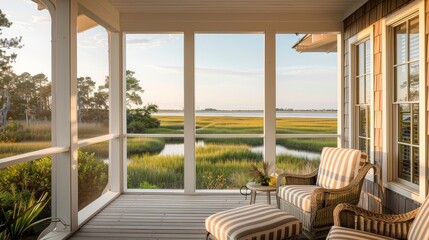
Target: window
{"x": 92, "y": 83}
{"x": 155, "y": 104}
{"x": 229, "y": 100}
{"x": 406, "y": 99}
{"x": 93, "y": 113}
{"x": 307, "y": 112}
{"x": 362, "y": 78}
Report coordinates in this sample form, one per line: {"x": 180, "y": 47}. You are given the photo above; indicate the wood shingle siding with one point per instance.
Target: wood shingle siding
{"x": 371, "y": 14}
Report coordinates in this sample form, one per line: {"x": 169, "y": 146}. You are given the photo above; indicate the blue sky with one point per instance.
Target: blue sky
{"x": 229, "y": 68}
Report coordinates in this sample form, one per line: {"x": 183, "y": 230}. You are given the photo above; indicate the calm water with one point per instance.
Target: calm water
{"x": 252, "y": 114}
{"x": 178, "y": 149}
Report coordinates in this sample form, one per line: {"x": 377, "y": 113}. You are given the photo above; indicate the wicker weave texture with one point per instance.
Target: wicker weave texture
{"x": 323, "y": 201}
{"x": 394, "y": 225}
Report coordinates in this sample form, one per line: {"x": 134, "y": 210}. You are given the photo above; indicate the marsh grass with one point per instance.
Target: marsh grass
{"x": 307, "y": 144}
{"x": 139, "y": 146}
{"x": 306, "y": 125}
{"x": 100, "y": 150}
{"x": 8, "y": 149}
{"x": 39, "y": 133}
{"x": 154, "y": 171}
{"x": 218, "y": 166}
{"x": 249, "y": 125}
{"x": 220, "y": 163}
{"x": 89, "y": 130}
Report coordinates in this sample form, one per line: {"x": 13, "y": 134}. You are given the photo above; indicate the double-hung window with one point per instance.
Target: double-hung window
{"x": 363, "y": 95}
{"x": 406, "y": 99}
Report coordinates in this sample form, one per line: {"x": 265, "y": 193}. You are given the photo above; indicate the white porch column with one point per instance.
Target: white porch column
{"x": 190, "y": 178}
{"x": 270, "y": 101}
{"x": 64, "y": 127}
{"x": 340, "y": 90}
{"x": 116, "y": 111}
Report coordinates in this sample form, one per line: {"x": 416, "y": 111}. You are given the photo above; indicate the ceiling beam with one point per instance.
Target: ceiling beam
{"x": 295, "y": 22}
{"x": 101, "y": 12}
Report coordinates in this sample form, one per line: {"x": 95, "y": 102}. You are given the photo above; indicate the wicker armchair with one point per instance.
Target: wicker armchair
{"x": 317, "y": 214}
{"x": 347, "y": 216}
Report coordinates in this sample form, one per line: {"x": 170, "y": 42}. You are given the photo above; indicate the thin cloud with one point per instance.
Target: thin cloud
{"x": 229, "y": 72}
{"x": 22, "y": 26}
{"x": 94, "y": 41}
{"x": 151, "y": 42}
{"x": 211, "y": 71}
{"x": 306, "y": 72}
{"x": 173, "y": 69}
{"x": 41, "y": 19}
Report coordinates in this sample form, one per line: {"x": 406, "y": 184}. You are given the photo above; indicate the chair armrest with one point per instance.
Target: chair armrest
{"x": 323, "y": 201}
{"x": 296, "y": 179}
{"x": 323, "y": 197}
{"x": 389, "y": 225}
{"x": 299, "y": 179}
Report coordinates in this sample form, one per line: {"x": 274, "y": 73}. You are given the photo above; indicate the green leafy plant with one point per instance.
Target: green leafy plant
{"x": 16, "y": 222}
{"x": 93, "y": 178}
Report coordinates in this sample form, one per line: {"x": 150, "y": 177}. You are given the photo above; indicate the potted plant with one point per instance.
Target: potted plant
{"x": 261, "y": 177}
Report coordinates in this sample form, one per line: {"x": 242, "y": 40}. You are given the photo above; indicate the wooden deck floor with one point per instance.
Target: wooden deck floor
{"x": 158, "y": 216}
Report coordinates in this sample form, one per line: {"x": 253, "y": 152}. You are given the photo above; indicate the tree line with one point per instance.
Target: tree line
{"x": 28, "y": 97}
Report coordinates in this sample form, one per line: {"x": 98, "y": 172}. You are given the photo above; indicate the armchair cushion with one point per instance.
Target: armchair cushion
{"x": 338, "y": 167}
{"x": 420, "y": 225}
{"x": 342, "y": 233}
{"x": 298, "y": 195}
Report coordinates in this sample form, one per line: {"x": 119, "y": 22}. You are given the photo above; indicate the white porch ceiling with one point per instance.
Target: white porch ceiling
{"x": 344, "y": 7}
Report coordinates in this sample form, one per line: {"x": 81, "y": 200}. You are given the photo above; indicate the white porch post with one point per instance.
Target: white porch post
{"x": 64, "y": 129}
{"x": 340, "y": 90}
{"x": 190, "y": 178}
{"x": 270, "y": 101}
{"x": 116, "y": 111}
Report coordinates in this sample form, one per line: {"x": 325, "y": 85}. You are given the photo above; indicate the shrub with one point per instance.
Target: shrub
{"x": 140, "y": 119}
{"x": 33, "y": 179}
{"x": 15, "y": 132}
{"x": 93, "y": 177}
{"x": 135, "y": 127}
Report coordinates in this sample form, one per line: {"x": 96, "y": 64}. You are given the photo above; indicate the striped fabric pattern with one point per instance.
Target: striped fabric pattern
{"x": 338, "y": 167}
{"x": 253, "y": 222}
{"x": 298, "y": 195}
{"x": 419, "y": 227}
{"x": 342, "y": 233}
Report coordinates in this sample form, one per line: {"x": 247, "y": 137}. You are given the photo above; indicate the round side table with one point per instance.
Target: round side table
{"x": 257, "y": 187}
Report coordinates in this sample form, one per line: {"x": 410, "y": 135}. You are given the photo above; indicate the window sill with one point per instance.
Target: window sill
{"x": 404, "y": 190}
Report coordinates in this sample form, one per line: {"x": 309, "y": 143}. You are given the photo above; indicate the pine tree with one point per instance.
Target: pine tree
{"x": 6, "y": 44}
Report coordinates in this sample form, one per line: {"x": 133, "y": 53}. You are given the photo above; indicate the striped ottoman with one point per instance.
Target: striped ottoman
{"x": 253, "y": 222}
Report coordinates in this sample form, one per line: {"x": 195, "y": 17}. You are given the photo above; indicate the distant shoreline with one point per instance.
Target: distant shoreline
{"x": 255, "y": 111}
{"x": 252, "y": 113}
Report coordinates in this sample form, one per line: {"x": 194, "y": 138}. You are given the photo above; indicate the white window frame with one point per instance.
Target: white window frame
{"x": 389, "y": 167}
{"x": 352, "y": 43}
{"x": 188, "y": 135}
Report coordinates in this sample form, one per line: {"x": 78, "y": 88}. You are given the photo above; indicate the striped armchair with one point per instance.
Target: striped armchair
{"x": 312, "y": 198}
{"x": 352, "y": 222}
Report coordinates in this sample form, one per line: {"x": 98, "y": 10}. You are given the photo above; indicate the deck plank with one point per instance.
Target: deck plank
{"x": 162, "y": 217}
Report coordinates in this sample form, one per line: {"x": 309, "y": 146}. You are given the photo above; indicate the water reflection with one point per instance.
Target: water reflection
{"x": 283, "y": 150}
{"x": 179, "y": 149}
